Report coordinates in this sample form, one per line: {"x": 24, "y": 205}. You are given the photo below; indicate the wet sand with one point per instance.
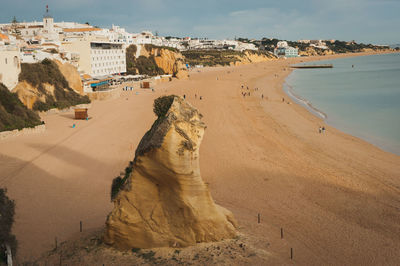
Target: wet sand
{"x": 336, "y": 197}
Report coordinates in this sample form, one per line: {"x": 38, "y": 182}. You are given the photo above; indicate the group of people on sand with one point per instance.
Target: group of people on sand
{"x": 247, "y": 92}
{"x": 321, "y": 130}
{"x": 244, "y": 94}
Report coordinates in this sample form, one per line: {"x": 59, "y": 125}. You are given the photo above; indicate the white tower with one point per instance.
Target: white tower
{"x": 48, "y": 22}
{"x": 49, "y": 32}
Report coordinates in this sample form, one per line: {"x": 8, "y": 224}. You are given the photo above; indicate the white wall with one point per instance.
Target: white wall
{"x": 10, "y": 66}
{"x": 108, "y": 61}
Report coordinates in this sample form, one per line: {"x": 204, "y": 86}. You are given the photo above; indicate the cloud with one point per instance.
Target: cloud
{"x": 361, "y": 20}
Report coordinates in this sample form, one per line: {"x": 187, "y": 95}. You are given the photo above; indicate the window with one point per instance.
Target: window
{"x": 16, "y": 62}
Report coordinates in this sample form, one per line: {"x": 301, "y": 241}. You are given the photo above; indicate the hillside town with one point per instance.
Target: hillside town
{"x": 127, "y": 137}
{"x": 99, "y": 54}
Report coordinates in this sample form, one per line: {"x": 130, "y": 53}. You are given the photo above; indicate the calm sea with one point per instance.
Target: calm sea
{"x": 363, "y": 100}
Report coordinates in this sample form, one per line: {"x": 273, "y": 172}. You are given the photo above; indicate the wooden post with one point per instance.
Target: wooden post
{"x": 80, "y": 226}
{"x": 281, "y": 233}
{"x": 259, "y": 218}
{"x": 291, "y": 253}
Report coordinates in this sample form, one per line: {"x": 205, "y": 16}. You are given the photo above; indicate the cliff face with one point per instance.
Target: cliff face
{"x": 43, "y": 86}
{"x": 152, "y": 58}
{"x": 171, "y": 62}
{"x": 225, "y": 57}
{"x": 164, "y": 202}
{"x": 72, "y": 76}
{"x": 29, "y": 94}
{"x": 253, "y": 57}
{"x": 13, "y": 114}
{"x": 311, "y": 51}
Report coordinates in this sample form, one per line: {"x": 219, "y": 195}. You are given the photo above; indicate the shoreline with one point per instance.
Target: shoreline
{"x": 288, "y": 89}
{"x": 305, "y": 103}
{"x": 329, "y": 192}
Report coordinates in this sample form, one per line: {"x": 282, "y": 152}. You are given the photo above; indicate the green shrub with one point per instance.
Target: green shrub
{"x": 152, "y": 46}
{"x": 135, "y": 250}
{"x": 7, "y": 211}
{"x": 211, "y": 57}
{"x": 13, "y": 114}
{"x": 162, "y": 104}
{"x": 119, "y": 181}
{"x": 148, "y": 256}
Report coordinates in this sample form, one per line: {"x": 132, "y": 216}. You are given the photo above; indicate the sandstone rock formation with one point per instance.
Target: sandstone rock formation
{"x": 253, "y": 57}
{"x": 311, "y": 51}
{"x": 72, "y": 76}
{"x": 45, "y": 85}
{"x": 28, "y": 94}
{"x": 169, "y": 60}
{"x": 164, "y": 202}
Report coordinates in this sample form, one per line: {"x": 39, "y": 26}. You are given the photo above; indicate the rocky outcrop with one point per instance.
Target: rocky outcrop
{"x": 311, "y": 51}
{"x": 13, "y": 113}
{"x": 43, "y": 86}
{"x": 168, "y": 60}
{"x": 72, "y": 76}
{"x": 164, "y": 201}
{"x": 249, "y": 56}
{"x": 28, "y": 94}
{"x": 218, "y": 57}
{"x": 172, "y": 63}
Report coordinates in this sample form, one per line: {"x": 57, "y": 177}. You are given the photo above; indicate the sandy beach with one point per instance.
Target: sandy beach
{"x": 336, "y": 197}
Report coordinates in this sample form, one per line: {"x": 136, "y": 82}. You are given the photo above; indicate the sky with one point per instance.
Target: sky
{"x": 367, "y": 21}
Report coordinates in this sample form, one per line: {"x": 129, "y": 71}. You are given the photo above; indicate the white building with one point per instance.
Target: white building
{"x": 282, "y": 44}
{"x": 10, "y": 66}
{"x": 286, "y": 51}
{"x": 47, "y": 30}
{"x": 98, "y": 58}
{"x": 245, "y": 46}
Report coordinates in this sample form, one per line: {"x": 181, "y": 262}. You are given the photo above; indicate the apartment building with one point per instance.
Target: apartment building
{"x": 98, "y": 58}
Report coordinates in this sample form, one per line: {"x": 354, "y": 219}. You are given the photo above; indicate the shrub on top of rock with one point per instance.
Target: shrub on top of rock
{"x": 162, "y": 105}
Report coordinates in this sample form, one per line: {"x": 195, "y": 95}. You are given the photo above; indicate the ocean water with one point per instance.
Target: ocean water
{"x": 363, "y": 100}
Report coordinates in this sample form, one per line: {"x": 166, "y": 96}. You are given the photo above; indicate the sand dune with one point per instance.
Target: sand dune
{"x": 336, "y": 197}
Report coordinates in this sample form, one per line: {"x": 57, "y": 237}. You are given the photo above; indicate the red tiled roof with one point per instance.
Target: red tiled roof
{"x": 4, "y": 37}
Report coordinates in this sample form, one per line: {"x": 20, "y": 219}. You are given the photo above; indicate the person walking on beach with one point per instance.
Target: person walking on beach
{"x": 195, "y": 96}
{"x": 201, "y": 97}
{"x": 184, "y": 96}
{"x": 320, "y": 130}
{"x": 283, "y": 99}
{"x": 262, "y": 96}
{"x": 323, "y": 129}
